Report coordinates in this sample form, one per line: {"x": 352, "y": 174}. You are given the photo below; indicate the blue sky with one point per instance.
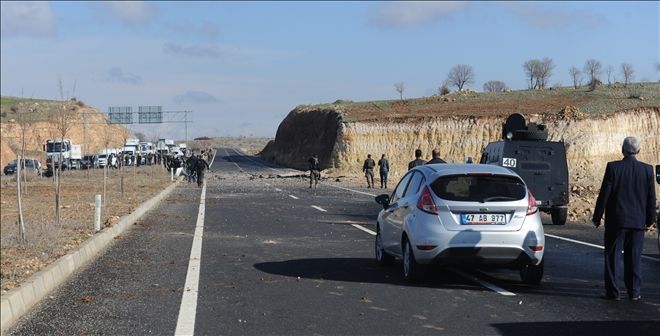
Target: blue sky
{"x": 242, "y": 66}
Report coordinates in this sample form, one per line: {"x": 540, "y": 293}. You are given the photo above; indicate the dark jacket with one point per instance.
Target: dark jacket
{"x": 436, "y": 160}
{"x": 384, "y": 165}
{"x": 201, "y": 164}
{"x": 368, "y": 164}
{"x": 627, "y": 195}
{"x": 414, "y": 163}
{"x": 314, "y": 164}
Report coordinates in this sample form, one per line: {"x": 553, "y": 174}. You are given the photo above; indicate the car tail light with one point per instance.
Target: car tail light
{"x": 531, "y": 206}
{"x": 425, "y": 202}
{"x": 536, "y": 248}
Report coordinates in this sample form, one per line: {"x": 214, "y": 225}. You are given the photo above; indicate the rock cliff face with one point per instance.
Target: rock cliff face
{"x": 342, "y": 146}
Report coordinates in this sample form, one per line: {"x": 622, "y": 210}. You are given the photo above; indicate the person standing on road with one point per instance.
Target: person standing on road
{"x": 200, "y": 166}
{"x": 384, "y": 169}
{"x": 417, "y": 161}
{"x": 436, "y": 157}
{"x": 627, "y": 197}
{"x": 191, "y": 165}
{"x": 314, "y": 171}
{"x": 368, "y": 170}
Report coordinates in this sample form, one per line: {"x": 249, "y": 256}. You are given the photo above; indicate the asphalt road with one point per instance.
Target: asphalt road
{"x": 278, "y": 258}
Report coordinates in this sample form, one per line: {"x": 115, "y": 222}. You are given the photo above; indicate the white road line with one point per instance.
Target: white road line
{"x": 278, "y": 189}
{"x": 357, "y": 226}
{"x": 294, "y": 197}
{"x": 259, "y": 163}
{"x": 185, "y": 324}
{"x": 593, "y": 245}
{"x": 574, "y": 241}
{"x": 486, "y": 284}
{"x": 355, "y": 191}
{"x": 319, "y": 208}
{"x": 232, "y": 161}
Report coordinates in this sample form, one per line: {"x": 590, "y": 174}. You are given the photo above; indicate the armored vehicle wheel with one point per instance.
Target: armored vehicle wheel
{"x": 559, "y": 215}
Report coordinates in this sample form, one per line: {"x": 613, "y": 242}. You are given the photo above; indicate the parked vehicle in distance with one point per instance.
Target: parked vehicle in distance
{"x": 461, "y": 214}
{"x": 62, "y": 153}
{"x": 89, "y": 162}
{"x": 31, "y": 166}
{"x": 541, "y": 163}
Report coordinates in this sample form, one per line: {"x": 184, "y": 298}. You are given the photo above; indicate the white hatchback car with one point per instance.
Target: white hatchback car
{"x": 461, "y": 214}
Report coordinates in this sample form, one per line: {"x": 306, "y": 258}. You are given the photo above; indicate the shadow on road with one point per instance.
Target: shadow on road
{"x": 362, "y": 270}
{"x": 600, "y": 328}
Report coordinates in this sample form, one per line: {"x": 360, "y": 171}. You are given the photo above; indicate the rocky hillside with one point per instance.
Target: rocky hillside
{"x": 38, "y": 118}
{"x": 591, "y": 123}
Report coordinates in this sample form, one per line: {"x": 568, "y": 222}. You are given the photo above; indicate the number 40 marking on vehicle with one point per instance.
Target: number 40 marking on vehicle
{"x": 509, "y": 162}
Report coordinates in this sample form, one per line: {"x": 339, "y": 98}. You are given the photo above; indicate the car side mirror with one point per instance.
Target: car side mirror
{"x": 383, "y": 200}
{"x": 657, "y": 174}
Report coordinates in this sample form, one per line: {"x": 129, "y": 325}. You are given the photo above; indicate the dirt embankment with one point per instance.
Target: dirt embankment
{"x": 304, "y": 132}
{"x": 44, "y": 127}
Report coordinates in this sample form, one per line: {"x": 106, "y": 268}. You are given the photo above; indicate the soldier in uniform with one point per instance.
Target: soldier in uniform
{"x": 384, "y": 165}
{"x": 199, "y": 167}
{"x": 417, "y": 161}
{"x": 314, "y": 171}
{"x": 368, "y": 169}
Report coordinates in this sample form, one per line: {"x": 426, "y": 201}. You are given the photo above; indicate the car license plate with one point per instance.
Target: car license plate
{"x": 483, "y": 219}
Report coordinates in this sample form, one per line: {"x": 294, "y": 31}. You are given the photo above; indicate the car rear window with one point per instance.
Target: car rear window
{"x": 479, "y": 188}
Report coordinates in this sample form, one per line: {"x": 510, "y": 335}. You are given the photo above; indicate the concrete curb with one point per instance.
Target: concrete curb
{"x": 20, "y": 300}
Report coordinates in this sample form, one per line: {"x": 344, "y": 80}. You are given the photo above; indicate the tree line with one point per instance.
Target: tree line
{"x": 537, "y": 73}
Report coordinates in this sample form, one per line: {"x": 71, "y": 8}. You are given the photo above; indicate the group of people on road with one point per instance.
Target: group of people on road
{"x": 384, "y": 166}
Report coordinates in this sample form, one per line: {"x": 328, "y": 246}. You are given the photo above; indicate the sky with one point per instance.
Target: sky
{"x": 241, "y": 67}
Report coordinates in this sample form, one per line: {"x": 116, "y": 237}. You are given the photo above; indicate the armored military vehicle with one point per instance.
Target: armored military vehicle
{"x": 524, "y": 148}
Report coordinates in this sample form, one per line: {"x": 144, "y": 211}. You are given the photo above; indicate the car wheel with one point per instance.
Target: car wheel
{"x": 411, "y": 268}
{"x": 382, "y": 258}
{"x": 559, "y": 215}
{"x": 532, "y": 274}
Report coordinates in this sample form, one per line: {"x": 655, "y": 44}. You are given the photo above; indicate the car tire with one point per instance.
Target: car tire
{"x": 532, "y": 274}
{"x": 559, "y": 215}
{"x": 411, "y": 269}
{"x": 530, "y": 135}
{"x": 382, "y": 258}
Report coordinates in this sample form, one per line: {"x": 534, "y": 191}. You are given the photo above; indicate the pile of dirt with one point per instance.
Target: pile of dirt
{"x": 567, "y": 113}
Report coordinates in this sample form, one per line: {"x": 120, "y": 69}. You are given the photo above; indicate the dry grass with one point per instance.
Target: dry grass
{"x": 46, "y": 240}
{"x": 603, "y": 100}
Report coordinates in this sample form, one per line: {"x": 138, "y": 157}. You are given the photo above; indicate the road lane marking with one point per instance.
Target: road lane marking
{"x": 259, "y": 163}
{"x": 185, "y": 324}
{"x": 278, "y": 189}
{"x": 358, "y": 226}
{"x": 319, "y": 208}
{"x": 294, "y": 197}
{"x": 593, "y": 245}
{"x": 355, "y": 191}
{"x": 494, "y": 288}
{"x": 232, "y": 161}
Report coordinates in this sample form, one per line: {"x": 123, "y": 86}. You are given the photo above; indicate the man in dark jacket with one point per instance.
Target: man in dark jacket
{"x": 627, "y": 197}
{"x": 436, "y": 157}
{"x": 314, "y": 171}
{"x": 200, "y": 166}
{"x": 384, "y": 170}
{"x": 417, "y": 161}
{"x": 368, "y": 170}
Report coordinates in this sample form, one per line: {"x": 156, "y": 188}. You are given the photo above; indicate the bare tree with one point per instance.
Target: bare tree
{"x": 64, "y": 119}
{"x": 609, "y": 70}
{"x": 460, "y": 75}
{"x": 593, "y": 69}
{"x": 627, "y": 71}
{"x": 575, "y": 75}
{"x": 20, "y": 159}
{"x": 399, "y": 87}
{"x": 544, "y": 72}
{"x": 531, "y": 69}
{"x": 495, "y": 86}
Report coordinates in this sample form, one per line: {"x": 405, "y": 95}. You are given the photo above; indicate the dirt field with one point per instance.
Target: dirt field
{"x": 46, "y": 240}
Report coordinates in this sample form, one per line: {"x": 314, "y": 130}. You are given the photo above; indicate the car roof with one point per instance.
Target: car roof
{"x": 441, "y": 169}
